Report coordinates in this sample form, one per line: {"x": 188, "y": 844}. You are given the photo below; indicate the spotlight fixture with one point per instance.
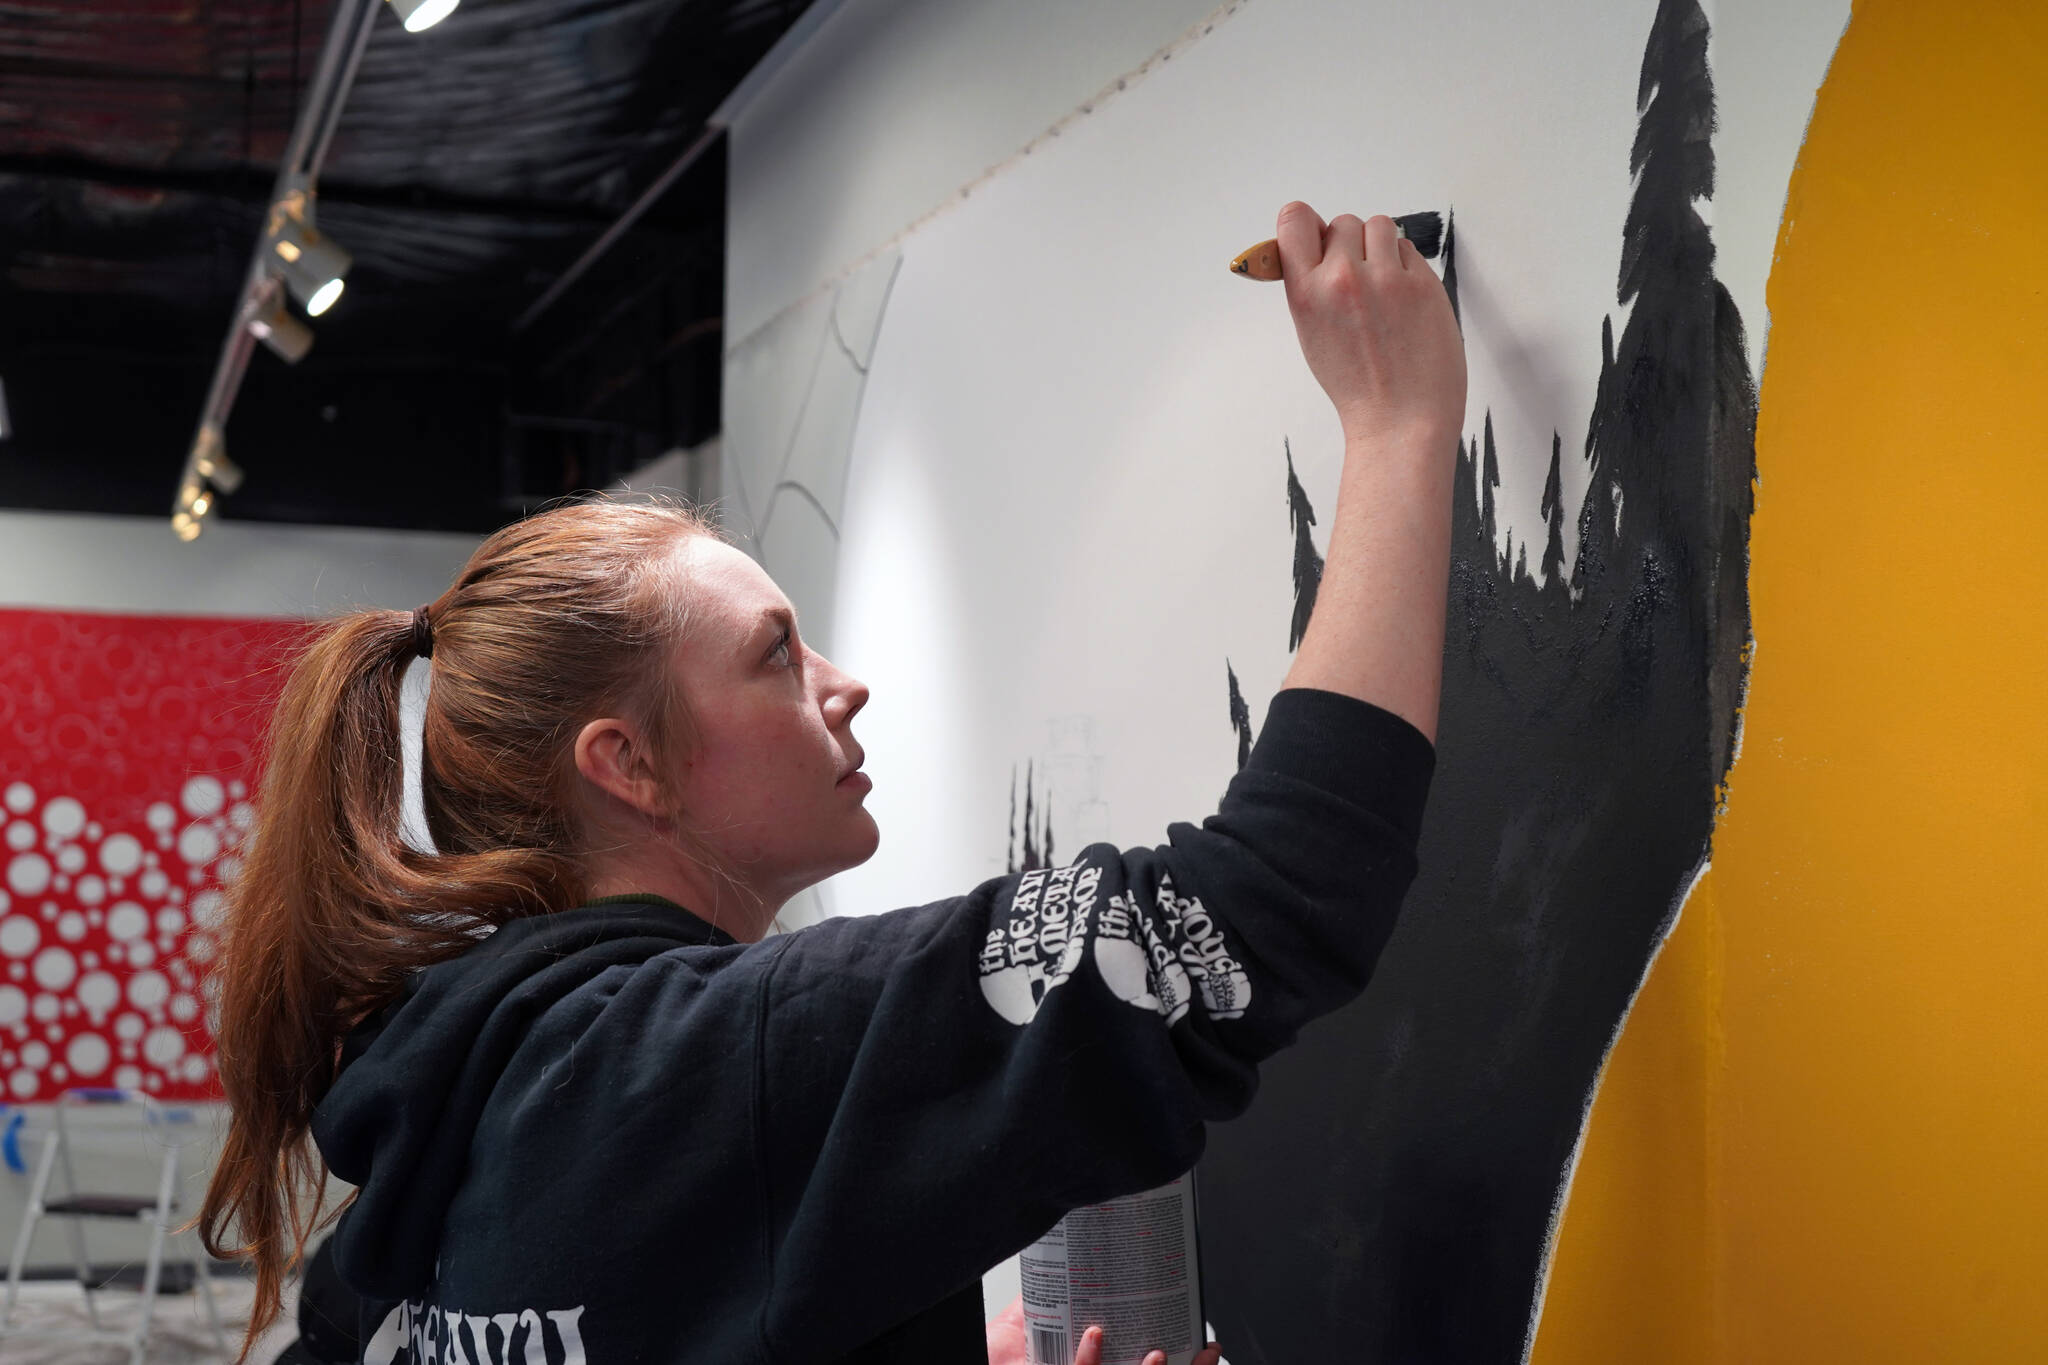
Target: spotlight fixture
{"x": 418, "y": 15}
{"x": 312, "y": 265}
{"x": 193, "y": 504}
{"x": 209, "y": 474}
{"x": 284, "y": 334}
{"x": 210, "y": 460}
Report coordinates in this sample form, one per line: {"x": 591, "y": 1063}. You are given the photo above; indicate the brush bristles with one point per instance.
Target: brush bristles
{"x": 1426, "y": 230}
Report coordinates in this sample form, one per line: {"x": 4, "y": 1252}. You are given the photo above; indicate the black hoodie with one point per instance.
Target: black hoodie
{"x": 616, "y": 1135}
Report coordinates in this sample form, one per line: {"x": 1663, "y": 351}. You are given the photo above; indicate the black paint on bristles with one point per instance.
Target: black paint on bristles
{"x": 1426, "y": 230}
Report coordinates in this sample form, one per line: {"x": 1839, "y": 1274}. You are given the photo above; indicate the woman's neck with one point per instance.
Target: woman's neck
{"x": 735, "y": 911}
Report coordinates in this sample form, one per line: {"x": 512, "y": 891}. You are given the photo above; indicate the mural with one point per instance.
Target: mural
{"x": 1587, "y": 722}
{"x": 1087, "y": 469}
{"x": 127, "y": 753}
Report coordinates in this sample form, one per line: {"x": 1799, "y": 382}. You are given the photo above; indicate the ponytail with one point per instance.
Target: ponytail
{"x": 552, "y": 619}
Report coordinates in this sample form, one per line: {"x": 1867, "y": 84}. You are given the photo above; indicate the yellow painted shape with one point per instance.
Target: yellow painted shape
{"x": 1857, "y": 997}
{"x": 1631, "y": 1279}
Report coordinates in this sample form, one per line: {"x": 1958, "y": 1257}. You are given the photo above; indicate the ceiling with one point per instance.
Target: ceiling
{"x": 473, "y": 163}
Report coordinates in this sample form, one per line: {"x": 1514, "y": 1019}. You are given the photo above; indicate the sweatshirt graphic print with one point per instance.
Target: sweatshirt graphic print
{"x": 615, "y": 1135}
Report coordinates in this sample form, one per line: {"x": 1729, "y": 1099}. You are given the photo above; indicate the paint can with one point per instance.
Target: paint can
{"x": 1131, "y": 1266}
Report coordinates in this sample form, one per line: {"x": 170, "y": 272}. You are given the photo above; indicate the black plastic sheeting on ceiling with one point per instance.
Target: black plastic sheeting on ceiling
{"x": 472, "y": 164}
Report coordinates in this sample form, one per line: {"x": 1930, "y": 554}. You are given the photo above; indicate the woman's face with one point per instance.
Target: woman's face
{"x": 773, "y": 784}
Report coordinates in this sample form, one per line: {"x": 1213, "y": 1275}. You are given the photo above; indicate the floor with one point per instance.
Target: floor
{"x": 178, "y": 1332}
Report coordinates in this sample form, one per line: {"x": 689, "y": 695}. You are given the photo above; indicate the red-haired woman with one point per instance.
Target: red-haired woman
{"x": 593, "y": 1113}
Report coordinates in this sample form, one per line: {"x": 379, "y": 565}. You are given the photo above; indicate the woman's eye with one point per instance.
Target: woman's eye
{"x": 781, "y": 652}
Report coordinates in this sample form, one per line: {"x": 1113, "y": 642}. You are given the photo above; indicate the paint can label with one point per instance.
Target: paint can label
{"x": 1129, "y": 1266}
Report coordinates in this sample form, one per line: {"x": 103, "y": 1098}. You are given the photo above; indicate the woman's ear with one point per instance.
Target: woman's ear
{"x": 613, "y": 756}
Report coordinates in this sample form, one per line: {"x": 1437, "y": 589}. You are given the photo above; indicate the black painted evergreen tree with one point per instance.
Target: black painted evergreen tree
{"x": 1450, "y": 257}
{"x": 1308, "y": 564}
{"x": 1553, "y": 515}
{"x": 1240, "y": 718}
{"x": 1489, "y": 479}
{"x": 1662, "y": 410}
{"x": 1032, "y": 860}
{"x": 1465, "y": 493}
{"x": 1600, "y": 513}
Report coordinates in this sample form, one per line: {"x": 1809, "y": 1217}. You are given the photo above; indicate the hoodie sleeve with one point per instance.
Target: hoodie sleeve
{"x": 939, "y": 1085}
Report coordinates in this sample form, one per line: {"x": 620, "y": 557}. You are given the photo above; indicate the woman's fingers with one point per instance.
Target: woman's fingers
{"x": 1382, "y": 241}
{"x": 1156, "y": 1358}
{"x": 1301, "y": 241}
{"x": 1346, "y": 238}
{"x": 1089, "y": 1352}
{"x": 1212, "y": 1354}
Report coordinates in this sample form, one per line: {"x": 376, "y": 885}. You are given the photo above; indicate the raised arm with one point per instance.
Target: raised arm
{"x": 1377, "y": 331}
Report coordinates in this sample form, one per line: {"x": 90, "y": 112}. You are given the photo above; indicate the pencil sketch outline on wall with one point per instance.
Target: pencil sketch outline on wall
{"x": 811, "y": 463}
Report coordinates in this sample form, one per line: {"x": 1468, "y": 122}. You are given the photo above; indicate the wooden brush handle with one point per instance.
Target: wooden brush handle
{"x": 1262, "y": 262}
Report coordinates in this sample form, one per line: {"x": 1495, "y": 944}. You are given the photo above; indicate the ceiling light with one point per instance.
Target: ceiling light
{"x": 208, "y": 475}
{"x": 210, "y": 460}
{"x": 284, "y": 334}
{"x": 423, "y": 14}
{"x": 312, "y": 265}
{"x": 323, "y": 297}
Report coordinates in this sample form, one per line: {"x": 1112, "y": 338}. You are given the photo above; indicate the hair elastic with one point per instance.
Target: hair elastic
{"x": 422, "y": 633}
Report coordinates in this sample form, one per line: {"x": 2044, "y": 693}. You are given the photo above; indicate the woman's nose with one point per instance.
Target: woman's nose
{"x": 845, "y": 695}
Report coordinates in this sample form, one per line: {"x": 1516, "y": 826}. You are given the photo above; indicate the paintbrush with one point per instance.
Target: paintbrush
{"x": 1262, "y": 262}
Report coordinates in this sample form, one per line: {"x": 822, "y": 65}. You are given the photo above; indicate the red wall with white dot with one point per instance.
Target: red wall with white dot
{"x": 128, "y": 753}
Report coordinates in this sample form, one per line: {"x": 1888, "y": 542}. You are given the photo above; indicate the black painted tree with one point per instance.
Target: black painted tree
{"x": 1450, "y": 259}
{"x": 1240, "y": 718}
{"x": 1308, "y": 562}
{"x": 1038, "y": 843}
{"x": 1489, "y": 479}
{"x": 1552, "y": 512}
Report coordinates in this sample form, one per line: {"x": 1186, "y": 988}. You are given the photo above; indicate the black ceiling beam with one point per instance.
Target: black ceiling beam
{"x": 649, "y": 197}
{"x": 48, "y": 70}
{"x": 253, "y": 185}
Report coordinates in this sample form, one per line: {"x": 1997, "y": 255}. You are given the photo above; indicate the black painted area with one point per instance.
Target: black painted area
{"x": 1389, "y": 1196}
{"x": 1240, "y": 717}
{"x": 1308, "y": 563}
{"x": 1451, "y": 264}
{"x": 1037, "y": 849}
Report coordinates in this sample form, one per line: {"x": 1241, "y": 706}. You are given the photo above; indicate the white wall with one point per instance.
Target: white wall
{"x": 892, "y": 112}
{"x": 134, "y": 565}
{"x": 63, "y": 562}
{"x": 892, "y": 107}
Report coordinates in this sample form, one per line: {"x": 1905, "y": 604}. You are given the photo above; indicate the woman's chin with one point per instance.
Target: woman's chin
{"x": 870, "y": 840}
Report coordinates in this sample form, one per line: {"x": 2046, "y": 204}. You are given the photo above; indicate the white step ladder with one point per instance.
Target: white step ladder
{"x": 156, "y": 1211}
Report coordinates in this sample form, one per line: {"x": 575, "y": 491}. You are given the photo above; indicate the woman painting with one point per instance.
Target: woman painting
{"x": 594, "y": 1112}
